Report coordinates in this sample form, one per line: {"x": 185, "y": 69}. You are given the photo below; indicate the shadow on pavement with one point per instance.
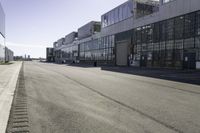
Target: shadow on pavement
{"x": 184, "y": 76}
{"x": 178, "y": 75}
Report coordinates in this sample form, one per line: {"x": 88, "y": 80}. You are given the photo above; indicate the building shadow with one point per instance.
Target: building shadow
{"x": 81, "y": 65}
{"x": 184, "y": 76}
{"x": 178, "y": 75}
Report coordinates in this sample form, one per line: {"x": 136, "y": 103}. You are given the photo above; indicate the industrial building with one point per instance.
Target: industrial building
{"x": 142, "y": 33}
{"x": 50, "y": 55}
{"x": 2, "y": 35}
{"x": 6, "y": 54}
{"x": 9, "y": 55}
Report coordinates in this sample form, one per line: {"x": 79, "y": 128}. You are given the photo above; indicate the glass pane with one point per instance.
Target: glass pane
{"x": 197, "y": 42}
{"x": 179, "y": 27}
{"x": 189, "y": 43}
{"x": 156, "y": 33}
{"x": 116, "y": 15}
{"x": 162, "y": 30}
{"x": 130, "y": 9}
{"x": 125, "y": 11}
{"x": 170, "y": 45}
{"x": 120, "y": 13}
{"x": 189, "y": 25}
{"x": 170, "y": 29}
{"x": 178, "y": 44}
{"x": 112, "y": 16}
{"x": 198, "y": 23}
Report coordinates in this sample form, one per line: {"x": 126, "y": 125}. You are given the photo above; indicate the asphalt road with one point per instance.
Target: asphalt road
{"x": 66, "y": 99}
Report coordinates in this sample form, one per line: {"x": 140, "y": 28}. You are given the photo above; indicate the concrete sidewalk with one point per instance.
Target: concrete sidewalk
{"x": 8, "y": 80}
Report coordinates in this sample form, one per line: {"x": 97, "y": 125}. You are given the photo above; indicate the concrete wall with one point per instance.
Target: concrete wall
{"x": 2, "y": 34}
{"x": 9, "y": 55}
{"x": 2, "y": 21}
{"x": 124, "y": 25}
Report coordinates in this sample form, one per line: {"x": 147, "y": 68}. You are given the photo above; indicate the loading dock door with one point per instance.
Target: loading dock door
{"x": 122, "y": 53}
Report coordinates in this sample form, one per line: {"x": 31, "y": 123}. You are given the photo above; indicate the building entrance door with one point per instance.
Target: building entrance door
{"x": 189, "y": 61}
{"x": 122, "y": 53}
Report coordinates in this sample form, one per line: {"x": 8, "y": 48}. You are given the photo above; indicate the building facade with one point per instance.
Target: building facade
{"x": 9, "y": 55}
{"x": 2, "y": 35}
{"x": 50, "y": 57}
{"x": 6, "y": 54}
{"x": 141, "y": 33}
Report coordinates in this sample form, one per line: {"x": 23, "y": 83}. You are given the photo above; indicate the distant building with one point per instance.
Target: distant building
{"x": 28, "y": 58}
{"x": 18, "y": 58}
{"x": 50, "y": 55}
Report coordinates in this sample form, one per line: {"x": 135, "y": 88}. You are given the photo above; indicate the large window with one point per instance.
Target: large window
{"x": 189, "y": 31}
{"x": 189, "y": 43}
{"x": 179, "y": 27}
{"x": 170, "y": 29}
{"x": 144, "y": 34}
{"x": 168, "y": 40}
{"x": 125, "y": 11}
{"x": 138, "y": 36}
{"x": 149, "y": 33}
{"x": 189, "y": 25}
{"x": 169, "y": 37}
{"x": 197, "y": 42}
{"x": 197, "y": 23}
{"x": 137, "y": 43}
{"x": 143, "y": 9}
{"x": 162, "y": 31}
{"x": 156, "y": 32}
{"x": 178, "y": 32}
{"x": 112, "y": 15}
{"x": 118, "y": 14}
{"x": 98, "y": 49}
{"x": 178, "y": 44}
{"x": 170, "y": 45}
{"x": 197, "y": 45}
{"x": 70, "y": 52}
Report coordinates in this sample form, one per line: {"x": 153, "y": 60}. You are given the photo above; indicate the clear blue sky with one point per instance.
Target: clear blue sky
{"x": 32, "y": 25}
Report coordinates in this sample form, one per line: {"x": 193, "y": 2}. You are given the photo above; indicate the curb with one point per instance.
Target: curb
{"x": 7, "y": 99}
{"x": 18, "y": 119}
